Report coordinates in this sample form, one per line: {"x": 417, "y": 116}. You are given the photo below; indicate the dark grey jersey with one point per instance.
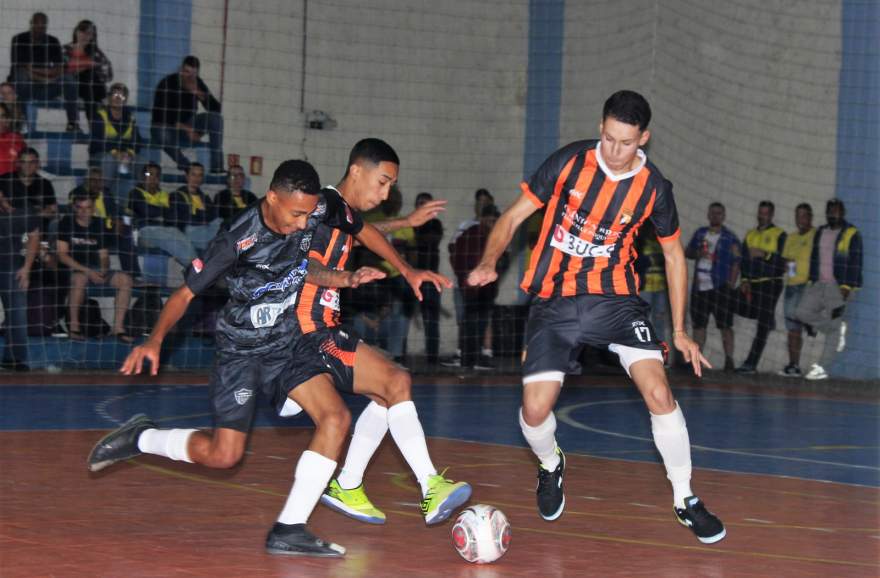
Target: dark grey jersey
{"x": 264, "y": 271}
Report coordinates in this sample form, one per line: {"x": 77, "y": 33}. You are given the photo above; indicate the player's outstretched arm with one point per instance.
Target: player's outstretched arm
{"x": 417, "y": 218}
{"x": 676, "y": 279}
{"x": 376, "y": 242}
{"x": 171, "y": 313}
{"x": 507, "y": 224}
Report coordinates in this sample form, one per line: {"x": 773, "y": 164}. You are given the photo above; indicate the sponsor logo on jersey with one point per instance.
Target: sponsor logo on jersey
{"x": 263, "y": 266}
{"x": 246, "y": 243}
{"x": 242, "y": 395}
{"x": 288, "y": 281}
{"x": 198, "y": 265}
{"x": 579, "y": 195}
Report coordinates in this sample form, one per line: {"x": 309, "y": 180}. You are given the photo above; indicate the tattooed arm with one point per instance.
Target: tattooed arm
{"x": 319, "y": 274}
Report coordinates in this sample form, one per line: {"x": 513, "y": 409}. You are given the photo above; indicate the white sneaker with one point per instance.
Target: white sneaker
{"x": 816, "y": 372}
{"x": 841, "y": 342}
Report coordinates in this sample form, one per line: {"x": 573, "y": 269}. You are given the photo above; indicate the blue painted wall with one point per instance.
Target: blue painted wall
{"x": 164, "y": 39}
{"x": 858, "y": 177}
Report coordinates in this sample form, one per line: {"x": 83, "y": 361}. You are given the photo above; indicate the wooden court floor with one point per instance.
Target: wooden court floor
{"x": 152, "y": 517}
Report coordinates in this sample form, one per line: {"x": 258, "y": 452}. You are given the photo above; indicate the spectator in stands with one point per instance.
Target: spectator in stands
{"x": 88, "y": 66}
{"x": 19, "y": 247}
{"x": 175, "y": 121}
{"x": 26, "y": 188}
{"x": 110, "y": 211}
{"x": 427, "y": 256}
{"x": 194, "y": 212}
{"x": 482, "y": 198}
{"x": 798, "y": 247}
{"x": 478, "y": 301}
{"x": 398, "y": 298}
{"x": 10, "y": 100}
{"x": 835, "y": 272}
{"x": 718, "y": 254}
{"x": 231, "y": 200}
{"x": 115, "y": 141}
{"x": 82, "y": 248}
{"x": 37, "y": 69}
{"x": 154, "y": 218}
{"x": 11, "y": 142}
{"x": 763, "y": 270}
{"x": 651, "y": 267}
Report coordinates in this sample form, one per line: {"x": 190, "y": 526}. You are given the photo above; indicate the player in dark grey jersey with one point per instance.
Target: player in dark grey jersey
{"x": 263, "y": 256}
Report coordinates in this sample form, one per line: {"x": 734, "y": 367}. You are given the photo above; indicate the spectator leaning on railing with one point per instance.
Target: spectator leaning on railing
{"x": 835, "y": 272}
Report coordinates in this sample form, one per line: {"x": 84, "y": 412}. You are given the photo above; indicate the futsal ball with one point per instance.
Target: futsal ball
{"x": 481, "y": 534}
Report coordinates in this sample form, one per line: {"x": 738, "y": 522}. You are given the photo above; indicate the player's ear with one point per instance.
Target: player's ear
{"x": 646, "y": 135}
{"x": 601, "y": 124}
{"x": 271, "y": 197}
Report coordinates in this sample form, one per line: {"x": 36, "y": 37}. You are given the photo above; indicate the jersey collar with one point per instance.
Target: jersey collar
{"x": 642, "y": 160}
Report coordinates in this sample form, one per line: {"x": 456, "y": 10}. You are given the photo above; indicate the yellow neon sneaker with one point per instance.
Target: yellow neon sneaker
{"x": 443, "y": 497}
{"x": 353, "y": 503}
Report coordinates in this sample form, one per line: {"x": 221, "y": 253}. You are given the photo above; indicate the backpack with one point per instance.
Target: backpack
{"x": 144, "y": 312}
{"x": 91, "y": 323}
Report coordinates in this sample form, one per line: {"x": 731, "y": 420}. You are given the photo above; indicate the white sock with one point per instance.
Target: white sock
{"x": 406, "y": 429}
{"x": 369, "y": 430}
{"x": 672, "y": 441}
{"x": 169, "y": 443}
{"x": 542, "y": 440}
{"x": 313, "y": 471}
{"x": 487, "y": 351}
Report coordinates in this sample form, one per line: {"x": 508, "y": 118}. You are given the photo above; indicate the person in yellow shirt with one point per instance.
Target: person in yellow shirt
{"x": 798, "y": 247}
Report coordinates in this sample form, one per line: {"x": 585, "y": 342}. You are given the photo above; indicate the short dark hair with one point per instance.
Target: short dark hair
{"x": 151, "y": 165}
{"x": 483, "y": 193}
{"x": 39, "y": 16}
{"x": 805, "y": 206}
{"x": 835, "y": 203}
{"x": 768, "y": 204}
{"x": 719, "y": 205}
{"x": 192, "y": 61}
{"x": 424, "y": 197}
{"x": 29, "y": 151}
{"x": 295, "y": 176}
{"x": 374, "y": 150}
{"x": 194, "y": 165}
{"x": 628, "y": 107}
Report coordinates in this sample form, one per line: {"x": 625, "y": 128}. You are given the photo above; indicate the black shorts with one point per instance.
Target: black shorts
{"x": 720, "y": 303}
{"x": 329, "y": 350}
{"x": 238, "y": 379}
{"x": 559, "y": 327}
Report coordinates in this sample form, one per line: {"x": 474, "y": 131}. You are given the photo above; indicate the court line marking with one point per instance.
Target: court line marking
{"x": 599, "y": 537}
{"x": 564, "y": 415}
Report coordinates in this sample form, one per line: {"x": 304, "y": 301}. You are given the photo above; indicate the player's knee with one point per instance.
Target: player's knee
{"x": 399, "y": 388}
{"x": 225, "y": 458}
{"x": 78, "y": 280}
{"x": 661, "y": 400}
{"x": 335, "y": 422}
{"x": 534, "y": 412}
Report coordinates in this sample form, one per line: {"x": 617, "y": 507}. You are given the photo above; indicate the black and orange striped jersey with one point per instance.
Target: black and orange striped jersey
{"x": 319, "y": 306}
{"x": 591, "y": 216}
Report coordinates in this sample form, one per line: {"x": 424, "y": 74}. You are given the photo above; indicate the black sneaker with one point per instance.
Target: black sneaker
{"x": 451, "y": 361}
{"x": 746, "y": 369}
{"x": 551, "y": 498}
{"x": 729, "y": 367}
{"x": 120, "y": 444}
{"x": 791, "y": 370}
{"x": 704, "y": 523}
{"x": 484, "y": 363}
{"x": 295, "y": 540}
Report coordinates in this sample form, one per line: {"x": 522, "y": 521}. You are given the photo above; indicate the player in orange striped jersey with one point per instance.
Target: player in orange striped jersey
{"x": 595, "y": 195}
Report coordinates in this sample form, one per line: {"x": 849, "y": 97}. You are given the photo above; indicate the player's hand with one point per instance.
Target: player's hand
{"x": 134, "y": 363}
{"x": 23, "y": 276}
{"x": 425, "y": 213}
{"x": 691, "y": 352}
{"x": 482, "y": 275}
{"x": 415, "y": 278}
{"x": 364, "y": 275}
